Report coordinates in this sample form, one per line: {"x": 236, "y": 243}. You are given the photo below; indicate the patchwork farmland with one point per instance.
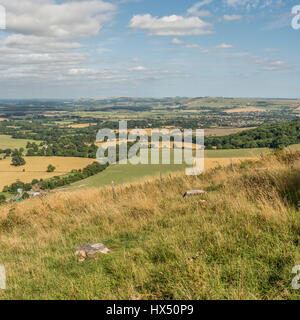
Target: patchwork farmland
{"x": 36, "y": 167}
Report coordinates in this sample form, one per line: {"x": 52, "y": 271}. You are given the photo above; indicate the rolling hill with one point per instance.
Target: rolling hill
{"x": 242, "y": 243}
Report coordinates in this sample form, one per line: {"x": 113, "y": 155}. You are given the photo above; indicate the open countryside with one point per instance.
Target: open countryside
{"x": 99, "y": 101}
{"x": 36, "y": 167}
{"x": 56, "y": 197}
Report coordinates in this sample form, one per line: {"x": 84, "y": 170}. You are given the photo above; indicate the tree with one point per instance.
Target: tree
{"x": 51, "y": 168}
{"x": 17, "y": 159}
{"x": 25, "y": 196}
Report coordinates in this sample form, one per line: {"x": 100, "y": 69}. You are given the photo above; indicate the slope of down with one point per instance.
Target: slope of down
{"x": 241, "y": 244}
{"x": 121, "y": 174}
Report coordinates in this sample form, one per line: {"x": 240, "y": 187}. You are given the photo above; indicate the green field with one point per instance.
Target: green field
{"x": 7, "y": 142}
{"x": 128, "y": 173}
{"x": 235, "y": 153}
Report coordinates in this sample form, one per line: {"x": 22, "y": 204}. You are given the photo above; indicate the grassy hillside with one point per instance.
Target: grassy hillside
{"x": 130, "y": 173}
{"x": 241, "y": 244}
{"x": 121, "y": 174}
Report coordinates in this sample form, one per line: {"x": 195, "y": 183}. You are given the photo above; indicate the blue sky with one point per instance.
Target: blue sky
{"x": 95, "y": 48}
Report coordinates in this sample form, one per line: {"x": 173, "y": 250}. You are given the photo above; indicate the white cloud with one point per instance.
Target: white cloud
{"x": 194, "y": 10}
{"x": 177, "y": 41}
{"x": 232, "y": 17}
{"x": 170, "y": 25}
{"x": 81, "y": 71}
{"x": 44, "y": 26}
{"x": 224, "y": 46}
{"x": 43, "y": 49}
{"x": 38, "y": 44}
{"x": 42, "y": 59}
{"x": 234, "y": 3}
{"x": 253, "y": 4}
{"x": 275, "y": 65}
{"x": 42, "y": 35}
{"x": 265, "y": 63}
{"x": 67, "y": 20}
{"x": 191, "y": 46}
{"x": 138, "y": 68}
{"x": 277, "y": 62}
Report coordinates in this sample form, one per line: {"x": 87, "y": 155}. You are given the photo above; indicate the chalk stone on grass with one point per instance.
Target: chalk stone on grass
{"x": 193, "y": 193}
{"x": 90, "y": 251}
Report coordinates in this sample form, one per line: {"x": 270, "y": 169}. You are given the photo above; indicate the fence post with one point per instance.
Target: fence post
{"x": 2, "y": 278}
{"x": 113, "y": 190}
{"x": 232, "y": 165}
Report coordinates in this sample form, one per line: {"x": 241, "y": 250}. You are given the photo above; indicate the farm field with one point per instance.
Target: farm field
{"x": 224, "y": 131}
{"x": 36, "y": 167}
{"x": 121, "y": 174}
{"x": 235, "y": 153}
{"x": 245, "y": 109}
{"x": 82, "y": 125}
{"x": 7, "y": 142}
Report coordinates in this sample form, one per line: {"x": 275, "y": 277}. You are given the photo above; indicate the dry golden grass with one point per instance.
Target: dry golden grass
{"x": 246, "y": 109}
{"x": 36, "y": 167}
{"x": 81, "y": 125}
{"x": 211, "y": 163}
{"x": 241, "y": 244}
{"x": 224, "y": 131}
{"x": 55, "y": 113}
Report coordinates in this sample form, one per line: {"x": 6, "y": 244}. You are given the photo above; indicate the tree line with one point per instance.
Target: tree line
{"x": 276, "y": 136}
